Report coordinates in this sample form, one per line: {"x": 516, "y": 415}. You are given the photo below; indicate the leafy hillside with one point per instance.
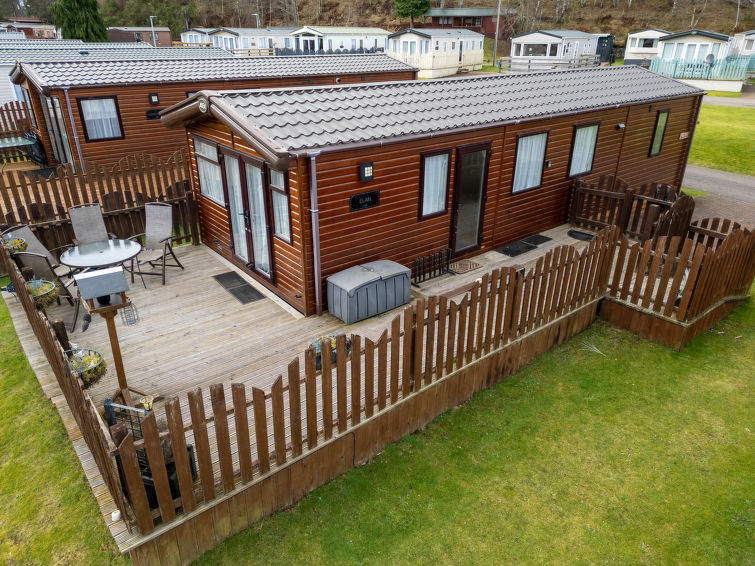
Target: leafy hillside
{"x": 609, "y": 16}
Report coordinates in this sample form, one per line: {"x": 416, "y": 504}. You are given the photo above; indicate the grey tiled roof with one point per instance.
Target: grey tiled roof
{"x": 51, "y": 75}
{"x": 309, "y": 118}
{"x": 115, "y": 52}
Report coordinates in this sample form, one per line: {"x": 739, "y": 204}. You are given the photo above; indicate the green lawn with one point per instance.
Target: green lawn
{"x": 724, "y": 139}
{"x": 724, "y": 94}
{"x": 694, "y": 193}
{"x": 637, "y": 454}
{"x": 606, "y": 449}
{"x": 48, "y": 514}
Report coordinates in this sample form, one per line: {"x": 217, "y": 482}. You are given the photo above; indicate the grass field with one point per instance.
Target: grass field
{"x": 724, "y": 94}
{"x": 694, "y": 193}
{"x": 724, "y": 139}
{"x": 630, "y": 454}
{"x": 606, "y": 449}
{"x": 48, "y": 514}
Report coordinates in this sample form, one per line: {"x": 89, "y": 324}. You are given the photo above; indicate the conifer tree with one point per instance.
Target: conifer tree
{"x": 79, "y": 19}
{"x": 411, "y": 8}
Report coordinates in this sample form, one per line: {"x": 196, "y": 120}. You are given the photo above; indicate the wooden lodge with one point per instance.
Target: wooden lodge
{"x": 100, "y": 111}
{"x": 294, "y": 185}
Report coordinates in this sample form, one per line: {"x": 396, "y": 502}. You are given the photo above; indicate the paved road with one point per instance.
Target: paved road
{"x": 747, "y": 100}
{"x": 730, "y": 195}
{"x": 739, "y": 187}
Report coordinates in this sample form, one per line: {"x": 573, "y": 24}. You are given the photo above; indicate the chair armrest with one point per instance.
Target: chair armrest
{"x": 112, "y": 236}
{"x": 136, "y": 236}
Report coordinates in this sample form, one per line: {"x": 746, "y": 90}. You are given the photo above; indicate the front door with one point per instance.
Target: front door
{"x": 247, "y": 209}
{"x": 469, "y": 197}
{"x": 461, "y": 49}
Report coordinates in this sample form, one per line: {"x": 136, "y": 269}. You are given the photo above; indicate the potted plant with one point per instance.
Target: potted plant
{"x": 88, "y": 364}
{"x": 43, "y": 292}
{"x": 14, "y": 245}
{"x": 333, "y": 339}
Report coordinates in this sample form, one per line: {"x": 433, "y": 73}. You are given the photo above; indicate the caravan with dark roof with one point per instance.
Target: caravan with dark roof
{"x": 467, "y": 164}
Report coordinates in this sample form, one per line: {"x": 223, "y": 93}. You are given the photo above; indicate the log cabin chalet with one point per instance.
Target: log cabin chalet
{"x": 294, "y": 185}
{"x": 103, "y": 110}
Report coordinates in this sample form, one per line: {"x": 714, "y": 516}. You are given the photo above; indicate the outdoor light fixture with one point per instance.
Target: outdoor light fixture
{"x": 154, "y": 98}
{"x": 621, "y": 126}
{"x": 366, "y": 171}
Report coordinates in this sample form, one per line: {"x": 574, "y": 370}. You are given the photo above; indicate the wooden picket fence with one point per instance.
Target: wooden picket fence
{"x": 14, "y": 119}
{"x": 134, "y": 180}
{"x": 124, "y": 217}
{"x": 274, "y": 446}
{"x": 91, "y": 425}
{"x": 258, "y": 451}
{"x": 672, "y": 288}
{"x": 611, "y": 202}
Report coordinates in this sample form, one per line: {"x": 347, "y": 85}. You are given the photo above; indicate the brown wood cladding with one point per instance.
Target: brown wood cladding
{"x": 392, "y": 229}
{"x": 216, "y": 229}
{"x": 151, "y": 136}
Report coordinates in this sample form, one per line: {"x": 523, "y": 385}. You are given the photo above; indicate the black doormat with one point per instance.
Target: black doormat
{"x": 536, "y": 239}
{"x": 577, "y": 235}
{"x": 515, "y": 248}
{"x": 236, "y": 286}
{"x": 38, "y": 174}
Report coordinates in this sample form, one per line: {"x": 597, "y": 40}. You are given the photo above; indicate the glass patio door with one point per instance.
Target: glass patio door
{"x": 469, "y": 197}
{"x": 258, "y": 219}
{"x": 236, "y": 209}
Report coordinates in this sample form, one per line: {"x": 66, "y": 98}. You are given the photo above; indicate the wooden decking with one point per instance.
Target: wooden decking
{"x": 194, "y": 333}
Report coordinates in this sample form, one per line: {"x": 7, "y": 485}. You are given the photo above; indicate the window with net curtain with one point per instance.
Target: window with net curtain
{"x": 530, "y": 154}
{"x": 583, "y": 149}
{"x": 100, "y": 116}
{"x": 280, "y": 205}
{"x": 435, "y": 183}
{"x": 210, "y": 176}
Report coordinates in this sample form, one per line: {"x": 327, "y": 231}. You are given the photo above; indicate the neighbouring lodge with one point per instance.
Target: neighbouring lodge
{"x": 103, "y": 110}
{"x": 294, "y": 185}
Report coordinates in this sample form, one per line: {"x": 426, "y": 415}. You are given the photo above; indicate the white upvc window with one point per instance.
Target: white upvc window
{"x": 530, "y": 158}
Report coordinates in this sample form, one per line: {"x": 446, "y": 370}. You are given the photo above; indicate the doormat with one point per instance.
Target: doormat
{"x": 577, "y": 235}
{"x": 236, "y": 286}
{"x": 536, "y": 239}
{"x": 515, "y": 248}
{"x": 464, "y": 266}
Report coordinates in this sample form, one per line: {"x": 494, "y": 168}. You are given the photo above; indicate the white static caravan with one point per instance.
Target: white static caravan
{"x": 437, "y": 52}
{"x": 196, "y": 36}
{"x": 642, "y": 46}
{"x": 744, "y": 43}
{"x": 694, "y": 45}
{"x": 548, "y": 49}
{"x": 328, "y": 39}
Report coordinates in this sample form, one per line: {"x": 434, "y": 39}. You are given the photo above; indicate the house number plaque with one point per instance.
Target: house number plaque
{"x": 365, "y": 200}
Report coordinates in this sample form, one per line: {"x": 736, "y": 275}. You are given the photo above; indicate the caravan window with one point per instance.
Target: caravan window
{"x": 530, "y": 158}
{"x": 101, "y": 118}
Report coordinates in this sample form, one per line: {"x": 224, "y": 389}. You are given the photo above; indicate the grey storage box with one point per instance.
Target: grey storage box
{"x": 363, "y": 291}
